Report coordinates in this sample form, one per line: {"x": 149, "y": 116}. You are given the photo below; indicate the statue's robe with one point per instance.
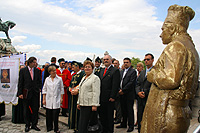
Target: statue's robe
{"x": 74, "y": 113}
{"x": 174, "y": 81}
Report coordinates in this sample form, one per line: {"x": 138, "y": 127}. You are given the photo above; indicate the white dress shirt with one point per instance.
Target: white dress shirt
{"x": 148, "y": 70}
{"x": 125, "y": 71}
{"x": 61, "y": 69}
{"x": 53, "y": 90}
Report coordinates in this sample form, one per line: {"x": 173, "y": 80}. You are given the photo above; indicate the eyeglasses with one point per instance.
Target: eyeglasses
{"x": 126, "y": 62}
{"x": 63, "y": 63}
{"x": 146, "y": 59}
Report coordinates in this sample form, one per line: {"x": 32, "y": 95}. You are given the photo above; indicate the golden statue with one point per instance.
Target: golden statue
{"x": 174, "y": 77}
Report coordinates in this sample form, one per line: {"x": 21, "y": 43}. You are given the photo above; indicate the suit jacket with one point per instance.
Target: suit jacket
{"x": 143, "y": 84}
{"x": 129, "y": 83}
{"x": 97, "y": 71}
{"x": 25, "y": 82}
{"x": 89, "y": 91}
{"x": 109, "y": 83}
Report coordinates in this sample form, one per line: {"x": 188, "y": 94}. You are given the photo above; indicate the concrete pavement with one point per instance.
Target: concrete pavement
{"x": 6, "y": 126}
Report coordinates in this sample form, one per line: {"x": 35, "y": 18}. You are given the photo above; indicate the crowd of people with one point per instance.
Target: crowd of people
{"x": 90, "y": 92}
{"x": 87, "y": 93}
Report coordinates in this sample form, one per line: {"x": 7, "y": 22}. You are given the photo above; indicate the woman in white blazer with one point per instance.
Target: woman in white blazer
{"x": 52, "y": 91}
{"x": 88, "y": 99}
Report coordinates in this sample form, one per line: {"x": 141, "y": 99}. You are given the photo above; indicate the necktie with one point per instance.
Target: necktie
{"x": 31, "y": 72}
{"x": 105, "y": 71}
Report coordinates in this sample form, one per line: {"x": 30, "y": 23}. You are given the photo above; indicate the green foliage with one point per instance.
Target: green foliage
{"x": 134, "y": 62}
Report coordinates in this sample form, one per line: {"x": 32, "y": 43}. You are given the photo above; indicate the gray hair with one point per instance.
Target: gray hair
{"x": 109, "y": 56}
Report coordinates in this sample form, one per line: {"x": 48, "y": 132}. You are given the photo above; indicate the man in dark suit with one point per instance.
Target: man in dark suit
{"x": 110, "y": 80}
{"x": 118, "y": 112}
{"x": 127, "y": 95}
{"x": 143, "y": 88}
{"x": 53, "y": 63}
{"x": 29, "y": 85}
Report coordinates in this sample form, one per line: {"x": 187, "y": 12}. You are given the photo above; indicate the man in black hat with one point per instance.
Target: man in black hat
{"x": 73, "y": 96}
{"x": 66, "y": 64}
{"x": 89, "y": 59}
{"x": 66, "y": 78}
{"x": 97, "y": 68}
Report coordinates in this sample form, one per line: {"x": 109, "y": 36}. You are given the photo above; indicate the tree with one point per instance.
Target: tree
{"x": 134, "y": 62}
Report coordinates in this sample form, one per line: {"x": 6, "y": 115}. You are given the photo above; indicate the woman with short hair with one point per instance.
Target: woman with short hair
{"x": 88, "y": 99}
{"x": 52, "y": 91}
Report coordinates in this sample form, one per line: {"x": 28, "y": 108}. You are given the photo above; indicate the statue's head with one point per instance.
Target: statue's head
{"x": 176, "y": 22}
{"x": 12, "y": 25}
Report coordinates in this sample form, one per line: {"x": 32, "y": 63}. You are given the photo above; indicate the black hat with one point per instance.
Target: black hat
{"x": 98, "y": 60}
{"x": 88, "y": 59}
{"x": 76, "y": 63}
{"x": 61, "y": 59}
{"x": 81, "y": 65}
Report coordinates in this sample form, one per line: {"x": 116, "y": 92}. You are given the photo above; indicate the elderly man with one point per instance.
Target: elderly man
{"x": 110, "y": 80}
{"x": 174, "y": 77}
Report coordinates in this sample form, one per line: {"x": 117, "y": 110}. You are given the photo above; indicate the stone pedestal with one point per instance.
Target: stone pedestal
{"x": 196, "y": 103}
{"x": 6, "y": 47}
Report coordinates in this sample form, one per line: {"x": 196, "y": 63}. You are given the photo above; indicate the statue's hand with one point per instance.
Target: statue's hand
{"x": 150, "y": 76}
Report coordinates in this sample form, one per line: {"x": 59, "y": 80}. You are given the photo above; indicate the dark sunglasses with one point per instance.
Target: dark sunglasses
{"x": 63, "y": 63}
{"x": 146, "y": 59}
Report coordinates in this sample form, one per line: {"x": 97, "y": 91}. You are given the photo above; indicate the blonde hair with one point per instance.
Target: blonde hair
{"x": 141, "y": 64}
{"x": 51, "y": 68}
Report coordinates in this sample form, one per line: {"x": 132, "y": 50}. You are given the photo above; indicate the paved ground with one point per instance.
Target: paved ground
{"x": 6, "y": 126}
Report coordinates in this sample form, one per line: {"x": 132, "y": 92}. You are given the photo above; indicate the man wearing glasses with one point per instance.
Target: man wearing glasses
{"x": 143, "y": 87}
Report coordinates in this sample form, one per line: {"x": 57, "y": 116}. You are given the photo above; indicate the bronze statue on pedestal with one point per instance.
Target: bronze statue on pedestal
{"x": 174, "y": 77}
{"x": 5, "y": 44}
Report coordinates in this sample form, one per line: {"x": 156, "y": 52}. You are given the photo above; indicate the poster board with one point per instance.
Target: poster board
{"x": 9, "y": 73}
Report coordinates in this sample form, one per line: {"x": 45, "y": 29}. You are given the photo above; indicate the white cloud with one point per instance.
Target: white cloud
{"x": 27, "y": 48}
{"x": 107, "y": 24}
{"x": 195, "y": 37}
{"x": 18, "y": 39}
{"x": 113, "y": 25}
{"x": 75, "y": 28}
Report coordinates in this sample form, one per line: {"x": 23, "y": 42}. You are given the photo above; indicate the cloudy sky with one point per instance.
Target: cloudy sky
{"x": 77, "y": 29}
